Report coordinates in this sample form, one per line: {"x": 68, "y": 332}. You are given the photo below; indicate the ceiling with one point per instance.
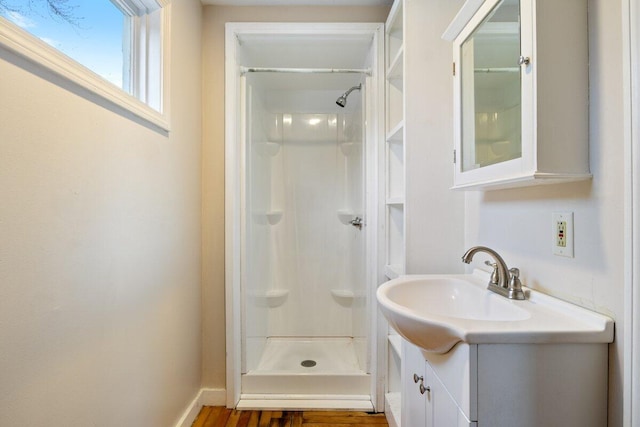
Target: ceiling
{"x": 305, "y": 51}
{"x": 299, "y": 2}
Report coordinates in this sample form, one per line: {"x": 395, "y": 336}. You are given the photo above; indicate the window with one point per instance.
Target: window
{"x": 106, "y": 46}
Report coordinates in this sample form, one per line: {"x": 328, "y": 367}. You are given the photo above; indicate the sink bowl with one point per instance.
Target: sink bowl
{"x": 435, "y": 312}
{"x": 452, "y": 297}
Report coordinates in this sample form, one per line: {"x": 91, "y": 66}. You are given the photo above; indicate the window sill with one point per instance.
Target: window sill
{"x": 44, "y": 56}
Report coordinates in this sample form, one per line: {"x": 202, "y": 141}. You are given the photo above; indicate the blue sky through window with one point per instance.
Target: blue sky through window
{"x": 95, "y": 41}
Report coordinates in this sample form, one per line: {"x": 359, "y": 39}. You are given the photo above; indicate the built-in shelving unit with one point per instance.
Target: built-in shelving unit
{"x": 394, "y": 196}
{"x": 395, "y": 133}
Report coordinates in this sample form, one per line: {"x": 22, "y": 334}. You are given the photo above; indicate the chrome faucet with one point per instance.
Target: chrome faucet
{"x": 504, "y": 281}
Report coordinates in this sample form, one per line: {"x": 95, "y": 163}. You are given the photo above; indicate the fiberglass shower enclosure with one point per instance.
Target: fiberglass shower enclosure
{"x": 304, "y": 289}
{"x": 303, "y": 304}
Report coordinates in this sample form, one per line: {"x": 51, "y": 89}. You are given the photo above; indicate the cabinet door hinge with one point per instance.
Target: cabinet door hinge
{"x": 454, "y": 157}
{"x": 454, "y": 69}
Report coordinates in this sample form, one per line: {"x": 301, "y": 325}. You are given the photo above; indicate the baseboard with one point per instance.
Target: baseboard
{"x": 306, "y": 405}
{"x": 205, "y": 397}
{"x": 213, "y": 397}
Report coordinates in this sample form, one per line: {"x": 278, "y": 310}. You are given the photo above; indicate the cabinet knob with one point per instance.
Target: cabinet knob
{"x": 416, "y": 378}
{"x": 424, "y": 389}
{"x": 524, "y": 60}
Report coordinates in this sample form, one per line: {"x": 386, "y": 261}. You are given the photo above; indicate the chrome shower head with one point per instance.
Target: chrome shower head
{"x": 342, "y": 101}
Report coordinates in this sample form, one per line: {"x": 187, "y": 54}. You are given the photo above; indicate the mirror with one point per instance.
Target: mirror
{"x": 491, "y": 95}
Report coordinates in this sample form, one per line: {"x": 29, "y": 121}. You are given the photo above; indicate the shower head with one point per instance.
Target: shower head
{"x": 342, "y": 101}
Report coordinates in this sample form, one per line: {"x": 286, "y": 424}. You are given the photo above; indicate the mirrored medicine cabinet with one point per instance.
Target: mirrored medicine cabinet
{"x": 520, "y": 70}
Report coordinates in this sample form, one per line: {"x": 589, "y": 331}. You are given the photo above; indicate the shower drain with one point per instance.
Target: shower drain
{"x": 308, "y": 363}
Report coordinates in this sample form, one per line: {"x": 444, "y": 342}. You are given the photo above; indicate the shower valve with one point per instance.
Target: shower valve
{"x": 357, "y": 222}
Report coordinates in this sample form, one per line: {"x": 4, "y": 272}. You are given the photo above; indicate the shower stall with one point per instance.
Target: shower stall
{"x": 302, "y": 136}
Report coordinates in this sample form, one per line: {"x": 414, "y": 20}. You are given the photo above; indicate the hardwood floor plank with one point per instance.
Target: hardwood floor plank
{"x": 341, "y": 413}
{"x": 265, "y": 419}
{"x": 287, "y": 418}
{"x": 219, "y": 416}
{"x": 223, "y": 418}
{"x": 202, "y": 416}
{"x": 234, "y": 419}
{"x": 338, "y": 425}
{"x": 213, "y": 416}
{"x": 245, "y": 416}
{"x": 297, "y": 419}
{"x": 328, "y": 419}
{"x": 254, "y": 419}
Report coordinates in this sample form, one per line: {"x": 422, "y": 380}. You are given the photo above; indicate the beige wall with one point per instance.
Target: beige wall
{"x": 100, "y": 250}
{"x": 213, "y": 156}
{"x": 517, "y": 222}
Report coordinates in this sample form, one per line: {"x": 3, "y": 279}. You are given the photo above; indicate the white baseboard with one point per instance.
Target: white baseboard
{"x": 213, "y": 397}
{"x": 205, "y": 397}
{"x": 284, "y": 404}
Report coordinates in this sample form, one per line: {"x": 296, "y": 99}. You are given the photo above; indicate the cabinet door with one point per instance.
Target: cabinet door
{"x": 490, "y": 134}
{"x": 413, "y": 401}
{"x": 441, "y": 409}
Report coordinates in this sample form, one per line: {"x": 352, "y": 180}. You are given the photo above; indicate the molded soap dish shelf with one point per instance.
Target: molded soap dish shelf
{"x": 269, "y": 217}
{"x": 343, "y": 297}
{"x": 272, "y": 298}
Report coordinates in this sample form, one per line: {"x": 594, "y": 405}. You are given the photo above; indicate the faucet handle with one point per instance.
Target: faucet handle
{"x": 515, "y": 286}
{"x": 494, "y": 273}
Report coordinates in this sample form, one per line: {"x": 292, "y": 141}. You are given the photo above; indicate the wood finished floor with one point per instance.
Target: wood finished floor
{"x": 217, "y": 416}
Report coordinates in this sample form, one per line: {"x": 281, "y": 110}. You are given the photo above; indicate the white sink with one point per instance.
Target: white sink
{"x": 435, "y": 312}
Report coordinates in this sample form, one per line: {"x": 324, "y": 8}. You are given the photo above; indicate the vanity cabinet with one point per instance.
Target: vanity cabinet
{"x": 429, "y": 406}
{"x": 506, "y": 385}
{"x": 520, "y": 93}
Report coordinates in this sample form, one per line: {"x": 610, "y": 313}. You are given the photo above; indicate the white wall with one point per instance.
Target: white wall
{"x": 100, "y": 251}
{"x": 517, "y": 223}
{"x": 434, "y": 214}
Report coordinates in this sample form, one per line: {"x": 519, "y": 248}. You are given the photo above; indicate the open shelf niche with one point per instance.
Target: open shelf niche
{"x": 394, "y": 193}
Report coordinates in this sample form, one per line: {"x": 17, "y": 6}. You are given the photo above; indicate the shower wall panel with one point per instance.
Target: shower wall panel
{"x": 310, "y": 243}
{"x": 353, "y": 144}
{"x": 258, "y": 230}
{"x": 305, "y": 273}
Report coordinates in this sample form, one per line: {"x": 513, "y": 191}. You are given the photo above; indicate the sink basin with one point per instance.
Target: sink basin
{"x": 435, "y": 312}
{"x": 453, "y": 297}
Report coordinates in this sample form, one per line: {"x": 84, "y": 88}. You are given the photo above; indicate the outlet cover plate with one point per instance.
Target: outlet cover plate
{"x": 562, "y": 234}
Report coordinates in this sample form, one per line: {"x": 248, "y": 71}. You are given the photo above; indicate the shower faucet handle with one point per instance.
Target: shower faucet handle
{"x": 357, "y": 222}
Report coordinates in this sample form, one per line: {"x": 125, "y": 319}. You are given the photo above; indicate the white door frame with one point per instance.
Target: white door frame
{"x": 234, "y": 171}
{"x": 631, "y": 69}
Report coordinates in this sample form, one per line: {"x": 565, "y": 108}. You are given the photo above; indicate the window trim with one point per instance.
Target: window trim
{"x": 27, "y": 46}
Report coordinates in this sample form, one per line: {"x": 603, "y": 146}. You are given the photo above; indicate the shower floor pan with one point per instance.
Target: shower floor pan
{"x": 312, "y": 367}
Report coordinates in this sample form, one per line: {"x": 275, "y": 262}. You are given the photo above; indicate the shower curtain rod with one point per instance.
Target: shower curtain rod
{"x": 244, "y": 70}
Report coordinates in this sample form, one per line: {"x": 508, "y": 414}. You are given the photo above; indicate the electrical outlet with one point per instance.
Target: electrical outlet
{"x": 562, "y": 232}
